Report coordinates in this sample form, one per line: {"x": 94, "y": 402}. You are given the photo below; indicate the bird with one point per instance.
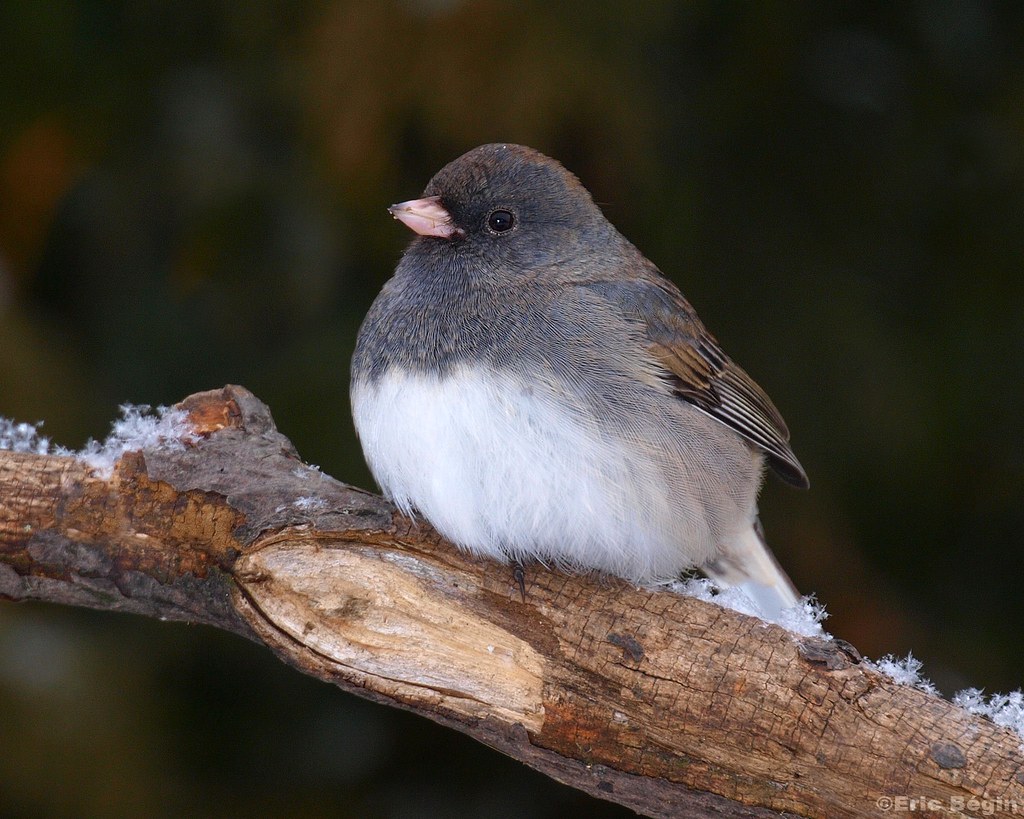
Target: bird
{"x": 532, "y": 385}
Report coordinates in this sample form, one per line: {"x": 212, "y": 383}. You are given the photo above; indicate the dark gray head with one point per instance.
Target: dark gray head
{"x": 507, "y": 205}
{"x": 498, "y": 230}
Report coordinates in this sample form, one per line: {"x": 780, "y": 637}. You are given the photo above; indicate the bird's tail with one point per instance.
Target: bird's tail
{"x": 747, "y": 562}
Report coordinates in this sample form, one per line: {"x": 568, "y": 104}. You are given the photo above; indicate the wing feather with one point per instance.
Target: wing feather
{"x": 700, "y": 372}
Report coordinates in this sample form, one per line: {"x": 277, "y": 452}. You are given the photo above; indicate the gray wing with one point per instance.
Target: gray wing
{"x": 700, "y": 372}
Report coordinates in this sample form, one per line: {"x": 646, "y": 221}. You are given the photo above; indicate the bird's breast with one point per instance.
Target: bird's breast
{"x": 511, "y": 466}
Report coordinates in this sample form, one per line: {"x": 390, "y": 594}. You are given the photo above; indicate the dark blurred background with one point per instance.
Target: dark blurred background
{"x": 193, "y": 194}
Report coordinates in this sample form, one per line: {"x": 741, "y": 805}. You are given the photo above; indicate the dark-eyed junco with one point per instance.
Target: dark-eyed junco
{"x": 535, "y": 387}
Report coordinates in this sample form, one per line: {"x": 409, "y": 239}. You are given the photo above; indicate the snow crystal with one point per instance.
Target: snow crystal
{"x": 306, "y": 471}
{"x": 309, "y": 503}
{"x": 1006, "y": 710}
{"x": 703, "y": 589}
{"x": 23, "y": 437}
{"x": 903, "y": 670}
{"x": 139, "y": 428}
{"x": 803, "y": 618}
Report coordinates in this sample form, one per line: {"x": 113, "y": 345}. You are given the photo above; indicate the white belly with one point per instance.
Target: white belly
{"x": 503, "y": 470}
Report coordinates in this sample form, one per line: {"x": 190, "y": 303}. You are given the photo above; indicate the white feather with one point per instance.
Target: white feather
{"x": 511, "y": 470}
{"x": 746, "y": 562}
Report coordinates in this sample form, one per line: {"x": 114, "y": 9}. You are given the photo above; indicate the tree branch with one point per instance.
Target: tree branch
{"x": 663, "y": 703}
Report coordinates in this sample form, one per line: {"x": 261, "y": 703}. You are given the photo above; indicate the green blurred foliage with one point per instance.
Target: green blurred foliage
{"x": 193, "y": 194}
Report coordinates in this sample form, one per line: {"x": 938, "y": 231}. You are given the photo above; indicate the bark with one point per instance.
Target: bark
{"x": 663, "y": 703}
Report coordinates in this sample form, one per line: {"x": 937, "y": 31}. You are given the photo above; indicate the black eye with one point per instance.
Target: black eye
{"x": 500, "y": 220}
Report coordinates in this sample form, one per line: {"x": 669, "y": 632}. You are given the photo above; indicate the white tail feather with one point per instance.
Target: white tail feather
{"x": 748, "y": 563}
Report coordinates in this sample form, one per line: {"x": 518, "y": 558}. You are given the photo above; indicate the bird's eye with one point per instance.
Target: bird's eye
{"x": 500, "y": 220}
